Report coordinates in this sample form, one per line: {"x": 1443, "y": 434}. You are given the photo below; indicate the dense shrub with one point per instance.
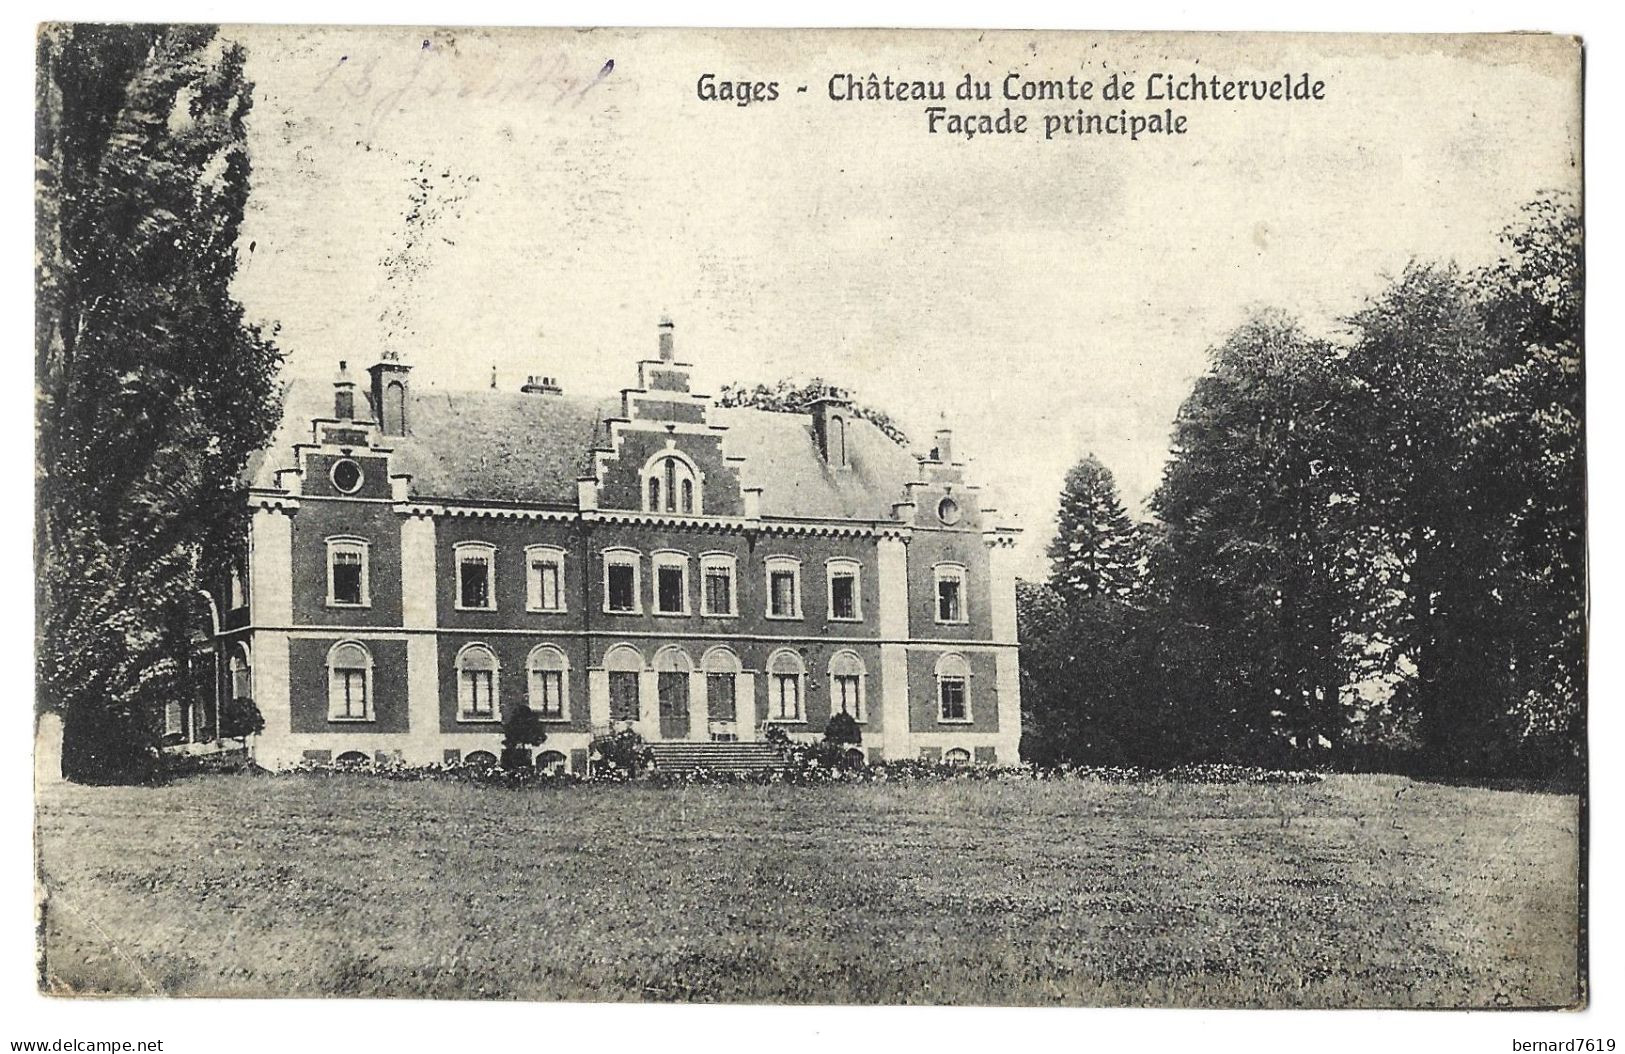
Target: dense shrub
{"x": 240, "y": 718}
{"x": 620, "y": 755}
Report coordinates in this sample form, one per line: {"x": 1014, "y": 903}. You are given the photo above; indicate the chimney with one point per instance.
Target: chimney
{"x": 389, "y": 389}
{"x": 668, "y": 348}
{"x": 832, "y": 417}
{"x": 944, "y": 450}
{"x": 535, "y": 385}
{"x": 344, "y": 393}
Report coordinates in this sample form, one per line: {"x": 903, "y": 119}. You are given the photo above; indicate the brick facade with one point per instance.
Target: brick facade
{"x": 659, "y": 478}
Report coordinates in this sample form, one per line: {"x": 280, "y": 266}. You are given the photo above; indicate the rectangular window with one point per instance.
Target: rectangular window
{"x": 347, "y": 570}
{"x": 719, "y": 696}
{"x": 547, "y": 690}
{"x": 948, "y": 599}
{"x": 350, "y": 693}
{"x": 623, "y": 695}
{"x": 474, "y": 581}
{"x": 623, "y": 590}
{"x": 843, "y": 595}
{"x": 479, "y": 693}
{"x": 786, "y": 697}
{"x": 719, "y": 590}
{"x": 782, "y": 586}
{"x": 847, "y": 699}
{"x": 671, "y": 590}
{"x": 951, "y": 693}
{"x": 546, "y": 585}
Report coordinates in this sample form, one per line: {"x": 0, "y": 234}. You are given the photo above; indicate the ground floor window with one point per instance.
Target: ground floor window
{"x": 623, "y": 695}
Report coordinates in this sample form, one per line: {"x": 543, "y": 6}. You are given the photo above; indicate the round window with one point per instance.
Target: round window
{"x": 948, "y": 511}
{"x": 347, "y": 476}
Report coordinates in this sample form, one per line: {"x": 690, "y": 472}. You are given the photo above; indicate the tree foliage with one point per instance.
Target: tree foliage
{"x": 1097, "y": 550}
{"x": 1367, "y": 550}
{"x": 152, "y": 389}
{"x": 798, "y": 397}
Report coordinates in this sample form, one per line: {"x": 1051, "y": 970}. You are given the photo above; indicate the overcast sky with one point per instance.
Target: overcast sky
{"x": 1046, "y": 298}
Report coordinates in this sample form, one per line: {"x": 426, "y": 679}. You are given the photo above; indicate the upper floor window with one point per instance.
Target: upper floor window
{"x": 786, "y": 680}
{"x": 671, "y": 583}
{"x": 544, "y": 578}
{"x": 953, "y": 688}
{"x": 783, "y": 587}
{"x": 347, "y": 574}
{"x": 671, "y": 484}
{"x": 621, "y": 587}
{"x": 845, "y": 597}
{"x": 477, "y": 685}
{"x": 476, "y": 576}
{"x": 349, "y": 682}
{"x": 950, "y": 592}
{"x": 846, "y": 684}
{"x": 239, "y": 591}
{"x": 717, "y": 585}
{"x": 549, "y": 683}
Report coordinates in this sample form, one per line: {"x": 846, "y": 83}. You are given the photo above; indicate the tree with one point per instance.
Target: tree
{"x": 152, "y": 389}
{"x": 797, "y": 397}
{"x": 1096, "y": 551}
{"x": 1420, "y": 353}
{"x": 1526, "y": 435}
{"x": 1253, "y": 547}
{"x": 522, "y": 729}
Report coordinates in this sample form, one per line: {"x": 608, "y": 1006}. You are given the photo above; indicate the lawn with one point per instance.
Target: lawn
{"x": 1356, "y": 891}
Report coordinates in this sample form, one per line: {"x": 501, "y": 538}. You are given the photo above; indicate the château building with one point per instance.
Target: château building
{"x": 421, "y": 562}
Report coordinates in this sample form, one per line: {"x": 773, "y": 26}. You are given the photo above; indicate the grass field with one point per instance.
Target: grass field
{"x": 1357, "y": 891}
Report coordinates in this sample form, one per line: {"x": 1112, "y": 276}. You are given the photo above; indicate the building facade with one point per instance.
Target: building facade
{"x": 420, "y": 563}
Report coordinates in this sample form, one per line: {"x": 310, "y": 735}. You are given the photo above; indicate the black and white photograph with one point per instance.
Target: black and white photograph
{"x": 918, "y": 517}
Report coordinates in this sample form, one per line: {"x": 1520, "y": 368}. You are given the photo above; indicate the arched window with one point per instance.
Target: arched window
{"x": 787, "y": 677}
{"x": 672, "y": 667}
{"x": 671, "y": 484}
{"x": 625, "y": 667}
{"x": 958, "y": 757}
{"x": 846, "y": 685}
{"x": 837, "y": 441}
{"x": 953, "y": 689}
{"x": 394, "y": 409}
{"x": 721, "y": 668}
{"x": 549, "y": 678}
{"x": 242, "y": 673}
{"x": 477, "y": 685}
{"x": 349, "y": 682}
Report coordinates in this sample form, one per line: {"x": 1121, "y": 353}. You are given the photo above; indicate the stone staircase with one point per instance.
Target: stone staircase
{"x": 717, "y": 757}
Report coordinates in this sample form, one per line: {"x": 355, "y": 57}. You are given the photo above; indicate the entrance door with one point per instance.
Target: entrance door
{"x": 673, "y": 705}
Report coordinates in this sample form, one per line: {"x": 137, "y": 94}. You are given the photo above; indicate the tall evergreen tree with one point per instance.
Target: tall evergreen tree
{"x": 152, "y": 388}
{"x": 1097, "y": 550}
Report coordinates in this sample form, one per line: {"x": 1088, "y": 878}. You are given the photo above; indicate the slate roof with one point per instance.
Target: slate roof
{"x": 488, "y": 445}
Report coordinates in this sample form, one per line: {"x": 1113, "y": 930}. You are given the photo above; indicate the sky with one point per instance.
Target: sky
{"x": 1045, "y": 299}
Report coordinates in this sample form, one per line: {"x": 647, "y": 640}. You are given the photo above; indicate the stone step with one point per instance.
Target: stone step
{"x": 718, "y": 757}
